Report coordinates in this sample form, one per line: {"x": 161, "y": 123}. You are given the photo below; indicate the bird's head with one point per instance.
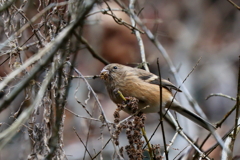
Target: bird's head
{"x": 112, "y": 72}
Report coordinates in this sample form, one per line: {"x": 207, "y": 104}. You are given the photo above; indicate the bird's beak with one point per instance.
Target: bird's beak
{"x": 104, "y": 74}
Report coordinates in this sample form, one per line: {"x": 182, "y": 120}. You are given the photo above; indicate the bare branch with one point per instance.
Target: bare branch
{"x": 221, "y": 95}
{"x": 7, "y": 134}
{"x": 139, "y": 38}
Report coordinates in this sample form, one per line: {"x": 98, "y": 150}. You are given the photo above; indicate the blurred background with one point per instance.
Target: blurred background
{"x": 188, "y": 30}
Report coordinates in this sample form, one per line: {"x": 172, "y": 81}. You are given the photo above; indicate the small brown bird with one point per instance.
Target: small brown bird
{"x": 144, "y": 86}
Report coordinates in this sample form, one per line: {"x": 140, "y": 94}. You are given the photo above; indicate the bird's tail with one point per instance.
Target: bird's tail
{"x": 192, "y": 116}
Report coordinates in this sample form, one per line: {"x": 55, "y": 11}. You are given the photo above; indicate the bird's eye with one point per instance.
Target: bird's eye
{"x": 115, "y": 67}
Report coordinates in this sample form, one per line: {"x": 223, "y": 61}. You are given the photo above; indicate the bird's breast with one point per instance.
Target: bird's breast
{"x": 147, "y": 94}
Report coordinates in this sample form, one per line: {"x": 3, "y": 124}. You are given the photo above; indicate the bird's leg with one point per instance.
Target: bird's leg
{"x": 118, "y": 92}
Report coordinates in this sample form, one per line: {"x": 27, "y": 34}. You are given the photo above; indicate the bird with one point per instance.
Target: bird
{"x": 144, "y": 86}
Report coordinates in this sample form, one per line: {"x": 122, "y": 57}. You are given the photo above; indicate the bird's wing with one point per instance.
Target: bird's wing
{"x": 153, "y": 79}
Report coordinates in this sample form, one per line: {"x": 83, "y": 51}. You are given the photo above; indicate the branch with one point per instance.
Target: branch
{"x": 234, "y": 4}
{"x": 48, "y": 52}
{"x": 103, "y": 115}
{"x": 7, "y": 134}
{"x": 220, "y": 95}
{"x": 6, "y": 5}
{"x": 90, "y": 49}
{"x": 139, "y": 38}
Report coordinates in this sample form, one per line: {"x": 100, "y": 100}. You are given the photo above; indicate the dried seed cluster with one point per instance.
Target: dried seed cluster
{"x": 157, "y": 152}
{"x": 132, "y": 129}
{"x": 134, "y": 135}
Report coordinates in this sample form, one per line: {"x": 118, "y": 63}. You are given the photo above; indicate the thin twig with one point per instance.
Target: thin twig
{"x": 100, "y": 107}
{"x": 179, "y": 130}
{"x": 87, "y": 118}
{"x": 229, "y": 143}
{"x": 182, "y": 84}
{"x": 104, "y": 11}
{"x": 181, "y": 152}
{"x": 234, "y": 4}
{"x": 219, "y": 124}
{"x": 237, "y": 104}
{"x": 37, "y": 16}
{"x": 150, "y": 151}
{"x": 220, "y": 95}
{"x": 102, "y": 149}
{"x": 139, "y": 38}
{"x": 7, "y": 134}
{"x": 25, "y": 17}
{"x": 86, "y": 149}
{"x": 119, "y": 20}
{"x": 6, "y": 5}
{"x": 90, "y": 49}
{"x": 49, "y": 51}
{"x": 79, "y": 102}
{"x": 161, "y": 111}
{"x": 87, "y": 77}
{"x": 207, "y": 152}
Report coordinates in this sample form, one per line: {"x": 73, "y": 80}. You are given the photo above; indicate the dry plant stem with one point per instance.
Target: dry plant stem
{"x": 31, "y": 21}
{"x": 87, "y": 77}
{"x": 171, "y": 142}
{"x": 87, "y": 140}
{"x": 143, "y": 131}
{"x": 182, "y": 83}
{"x": 87, "y": 118}
{"x": 200, "y": 147}
{"x": 237, "y": 104}
{"x": 181, "y": 152}
{"x": 219, "y": 140}
{"x": 94, "y": 94}
{"x": 234, "y": 4}
{"x": 79, "y": 102}
{"x": 34, "y": 31}
{"x": 61, "y": 92}
{"x": 205, "y": 140}
{"x": 229, "y": 143}
{"x": 21, "y": 48}
{"x": 221, "y": 95}
{"x": 139, "y": 38}
{"x": 207, "y": 152}
{"x": 49, "y": 51}
{"x": 6, "y": 5}
{"x": 90, "y": 49}
{"x": 103, "y": 11}
{"x": 148, "y": 144}
{"x": 175, "y": 125}
{"x": 102, "y": 148}
{"x": 179, "y": 130}
{"x": 37, "y": 56}
{"x": 100, "y": 107}
{"x": 82, "y": 143}
{"x": 210, "y": 128}
{"x": 219, "y": 124}
{"x": 7, "y": 134}
{"x": 171, "y": 123}
{"x": 119, "y": 20}
{"x": 161, "y": 111}
{"x": 164, "y": 116}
